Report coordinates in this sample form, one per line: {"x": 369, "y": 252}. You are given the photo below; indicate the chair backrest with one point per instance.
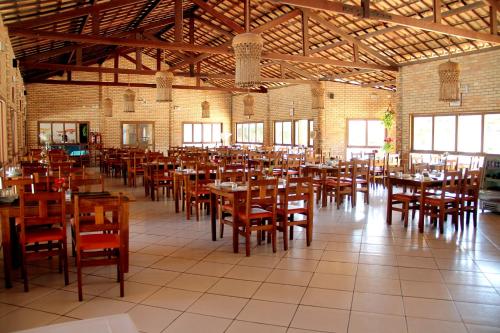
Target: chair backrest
{"x": 451, "y": 164}
{"x": 298, "y": 189}
{"x": 262, "y": 192}
{"x": 98, "y": 208}
{"x": 452, "y": 183}
{"x": 46, "y": 203}
{"x": 232, "y": 176}
{"x": 362, "y": 169}
{"x": 346, "y": 170}
{"x": 472, "y": 181}
{"x": 393, "y": 169}
{"x": 18, "y": 184}
{"x": 419, "y": 167}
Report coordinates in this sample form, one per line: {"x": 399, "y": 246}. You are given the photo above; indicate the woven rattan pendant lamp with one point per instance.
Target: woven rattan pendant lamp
{"x": 107, "y": 105}
{"x": 247, "y": 51}
{"x": 164, "y": 80}
{"x": 449, "y": 80}
{"x": 129, "y": 99}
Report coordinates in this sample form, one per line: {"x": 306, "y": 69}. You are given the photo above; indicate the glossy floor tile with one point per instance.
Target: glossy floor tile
{"x": 358, "y": 275}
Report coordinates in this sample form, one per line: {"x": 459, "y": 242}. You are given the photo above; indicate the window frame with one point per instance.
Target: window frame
{"x": 250, "y": 142}
{"x": 202, "y": 143}
{"x": 137, "y": 123}
{"x": 366, "y": 120}
{"x": 52, "y": 122}
{"x": 293, "y": 122}
{"x": 456, "y": 115}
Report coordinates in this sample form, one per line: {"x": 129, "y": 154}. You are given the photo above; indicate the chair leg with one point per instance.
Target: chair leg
{"x": 406, "y": 213}
{"x": 285, "y": 234}
{"x": 247, "y": 241}
{"x": 24, "y": 271}
{"x": 64, "y": 255}
{"x": 120, "y": 276}
{"x": 197, "y": 208}
{"x": 79, "y": 276}
{"x": 441, "y": 220}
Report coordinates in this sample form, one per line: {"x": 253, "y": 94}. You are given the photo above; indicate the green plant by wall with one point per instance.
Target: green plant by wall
{"x": 388, "y": 117}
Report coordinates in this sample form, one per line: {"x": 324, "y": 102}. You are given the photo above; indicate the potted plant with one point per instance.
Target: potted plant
{"x": 388, "y": 117}
{"x": 388, "y": 146}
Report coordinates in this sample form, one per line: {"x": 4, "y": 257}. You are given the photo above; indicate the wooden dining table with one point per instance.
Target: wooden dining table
{"x": 234, "y": 196}
{"x": 418, "y": 182}
{"x": 324, "y": 171}
{"x": 9, "y": 211}
{"x": 180, "y": 178}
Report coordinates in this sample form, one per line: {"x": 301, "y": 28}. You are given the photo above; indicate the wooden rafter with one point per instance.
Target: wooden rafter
{"x": 179, "y": 17}
{"x": 91, "y": 39}
{"x": 305, "y": 32}
{"x": 219, "y": 16}
{"x": 356, "y": 11}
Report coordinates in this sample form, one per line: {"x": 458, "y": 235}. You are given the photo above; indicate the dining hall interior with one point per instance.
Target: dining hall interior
{"x": 254, "y": 165}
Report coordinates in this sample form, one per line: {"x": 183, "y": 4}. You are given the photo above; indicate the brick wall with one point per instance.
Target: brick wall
{"x": 349, "y": 102}
{"x": 83, "y": 103}
{"x": 418, "y": 86}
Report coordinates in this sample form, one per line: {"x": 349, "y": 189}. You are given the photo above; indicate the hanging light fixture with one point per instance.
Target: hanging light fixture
{"x": 247, "y": 51}
{"x": 449, "y": 80}
{"x": 129, "y": 99}
{"x": 248, "y": 106}
{"x": 205, "y": 107}
{"x": 164, "y": 80}
{"x": 318, "y": 95}
{"x": 107, "y": 105}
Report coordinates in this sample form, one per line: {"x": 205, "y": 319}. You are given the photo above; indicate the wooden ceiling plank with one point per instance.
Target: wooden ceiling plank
{"x": 305, "y": 32}
{"x": 336, "y": 30}
{"x": 277, "y": 21}
{"x": 219, "y": 16}
{"x": 179, "y": 18}
{"x": 212, "y": 26}
{"x": 80, "y": 11}
{"x": 355, "y": 11}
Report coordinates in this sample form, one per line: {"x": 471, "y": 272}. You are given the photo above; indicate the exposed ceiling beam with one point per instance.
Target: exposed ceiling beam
{"x": 219, "y": 16}
{"x": 306, "y": 14}
{"x": 356, "y": 11}
{"x": 91, "y": 39}
{"x": 65, "y": 15}
{"x": 494, "y": 3}
{"x": 378, "y": 84}
{"x": 140, "y": 85}
{"x": 344, "y": 35}
{"x": 179, "y": 29}
{"x": 277, "y": 21}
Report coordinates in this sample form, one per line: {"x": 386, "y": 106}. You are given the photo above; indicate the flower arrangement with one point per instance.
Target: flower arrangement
{"x": 388, "y": 145}
{"x": 388, "y": 117}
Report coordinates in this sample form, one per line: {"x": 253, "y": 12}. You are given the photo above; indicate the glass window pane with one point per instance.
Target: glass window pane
{"x": 444, "y": 133}
{"x": 287, "y": 133}
{"x": 207, "y": 132}
{"x": 422, "y": 133}
{"x": 260, "y": 133}
{"x": 239, "y": 132}
{"x": 216, "y": 132}
{"x": 301, "y": 132}
{"x": 469, "y": 133}
{"x": 357, "y": 133}
{"x": 129, "y": 134}
{"x": 492, "y": 133}
{"x": 311, "y": 133}
{"x": 376, "y": 133}
{"x": 145, "y": 134}
{"x": 245, "y": 133}
{"x": 188, "y": 133}
{"x": 45, "y": 133}
{"x": 278, "y": 132}
{"x": 251, "y": 132}
{"x": 57, "y": 132}
{"x": 197, "y": 131}
{"x": 70, "y": 131}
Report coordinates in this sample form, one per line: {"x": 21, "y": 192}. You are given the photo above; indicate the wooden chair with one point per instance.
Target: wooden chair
{"x": 102, "y": 242}
{"x": 296, "y": 208}
{"x": 135, "y": 168}
{"x": 252, "y": 217}
{"x": 438, "y": 205}
{"x": 226, "y": 207}
{"x": 469, "y": 196}
{"x": 318, "y": 179}
{"x": 341, "y": 185}
{"x": 420, "y": 167}
{"x": 293, "y": 165}
{"x": 40, "y": 232}
{"x": 162, "y": 176}
{"x": 197, "y": 192}
{"x": 361, "y": 179}
{"x": 377, "y": 172}
{"x": 79, "y": 183}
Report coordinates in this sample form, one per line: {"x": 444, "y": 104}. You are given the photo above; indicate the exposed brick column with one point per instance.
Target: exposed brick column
{"x": 318, "y": 107}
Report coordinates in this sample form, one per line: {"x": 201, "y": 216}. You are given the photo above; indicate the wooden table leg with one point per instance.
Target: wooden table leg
{"x": 422, "y": 209}
{"x": 176, "y": 193}
{"x": 389, "y": 201}
{"x": 213, "y": 214}
{"x": 6, "y": 245}
{"x": 126, "y": 235}
{"x": 324, "y": 200}
{"x": 235, "y": 224}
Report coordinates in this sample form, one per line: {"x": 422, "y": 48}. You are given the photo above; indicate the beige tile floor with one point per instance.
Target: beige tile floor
{"x": 359, "y": 275}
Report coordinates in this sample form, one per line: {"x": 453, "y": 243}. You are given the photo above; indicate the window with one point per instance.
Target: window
{"x": 201, "y": 134}
{"x": 459, "y": 133}
{"x": 138, "y": 134}
{"x": 62, "y": 132}
{"x": 250, "y": 133}
{"x": 304, "y": 132}
{"x": 283, "y": 132}
{"x": 3, "y": 133}
{"x": 298, "y": 132}
{"x": 365, "y": 133}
